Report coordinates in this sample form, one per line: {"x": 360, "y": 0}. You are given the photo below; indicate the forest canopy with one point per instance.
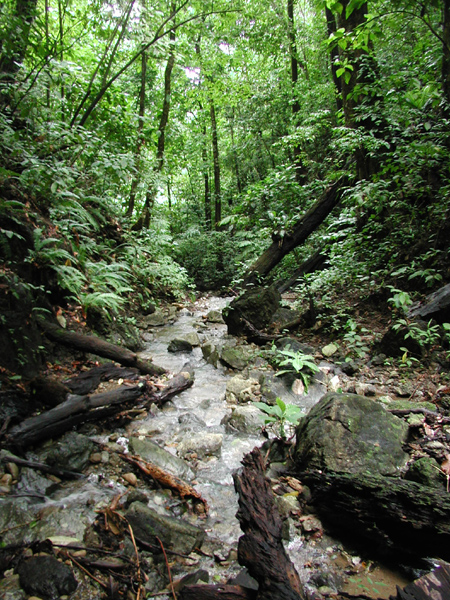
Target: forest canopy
{"x": 163, "y": 146}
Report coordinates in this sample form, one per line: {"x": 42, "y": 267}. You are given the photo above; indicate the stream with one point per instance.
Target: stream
{"x": 62, "y": 511}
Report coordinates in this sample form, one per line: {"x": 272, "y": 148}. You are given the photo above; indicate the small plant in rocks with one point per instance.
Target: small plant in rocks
{"x": 279, "y": 415}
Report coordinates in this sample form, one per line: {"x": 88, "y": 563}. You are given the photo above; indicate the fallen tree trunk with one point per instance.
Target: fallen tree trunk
{"x": 75, "y": 410}
{"x": 86, "y": 382}
{"x": 315, "y": 262}
{"x": 97, "y": 346}
{"x": 217, "y": 592}
{"x": 433, "y": 586}
{"x": 302, "y": 229}
{"x": 398, "y": 519}
{"x": 78, "y": 409}
{"x": 261, "y": 548}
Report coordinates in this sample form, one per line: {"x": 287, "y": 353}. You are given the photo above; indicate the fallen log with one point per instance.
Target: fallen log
{"x": 99, "y": 347}
{"x": 182, "y": 381}
{"x": 217, "y": 592}
{"x": 75, "y": 410}
{"x": 261, "y": 548}
{"x": 398, "y": 519}
{"x": 433, "y": 586}
{"x": 316, "y": 262}
{"x": 281, "y": 246}
{"x": 165, "y": 479}
{"x": 63, "y": 473}
{"x": 86, "y": 382}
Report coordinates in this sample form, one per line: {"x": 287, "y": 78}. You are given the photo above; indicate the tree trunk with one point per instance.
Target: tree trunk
{"x": 334, "y": 58}
{"x": 144, "y": 219}
{"x": 302, "y": 229}
{"x": 140, "y": 138}
{"x": 398, "y": 519}
{"x": 95, "y": 345}
{"x": 433, "y": 586}
{"x": 299, "y": 171}
{"x": 215, "y": 148}
{"x": 315, "y": 262}
{"x": 446, "y": 52}
{"x": 207, "y": 195}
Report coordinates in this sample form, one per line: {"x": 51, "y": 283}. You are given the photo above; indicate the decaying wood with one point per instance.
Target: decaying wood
{"x": 99, "y": 347}
{"x": 75, "y": 410}
{"x": 315, "y": 262}
{"x": 433, "y": 586}
{"x": 63, "y": 473}
{"x": 280, "y": 247}
{"x": 254, "y": 335}
{"x": 400, "y": 520}
{"x": 217, "y": 592}
{"x": 165, "y": 479}
{"x": 261, "y": 548}
{"x": 87, "y": 381}
{"x": 182, "y": 381}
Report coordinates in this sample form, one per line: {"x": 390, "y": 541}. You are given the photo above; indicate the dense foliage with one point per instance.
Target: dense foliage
{"x": 156, "y": 146}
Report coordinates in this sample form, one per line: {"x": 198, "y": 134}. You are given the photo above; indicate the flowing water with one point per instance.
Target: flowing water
{"x": 198, "y": 411}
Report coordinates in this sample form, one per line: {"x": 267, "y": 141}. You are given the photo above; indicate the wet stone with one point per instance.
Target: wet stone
{"x": 215, "y": 316}
{"x": 176, "y": 534}
{"x": 246, "y": 419}
{"x": 179, "y": 345}
{"x": 202, "y": 445}
{"x": 153, "y": 453}
{"x": 46, "y": 577}
{"x": 71, "y": 452}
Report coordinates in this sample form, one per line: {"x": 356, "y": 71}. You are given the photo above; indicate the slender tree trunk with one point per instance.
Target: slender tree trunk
{"x": 207, "y": 197}
{"x": 61, "y": 56}
{"x": 235, "y": 158}
{"x": 215, "y": 148}
{"x": 446, "y": 52}
{"x": 299, "y": 169}
{"x": 140, "y": 138}
{"x": 47, "y": 49}
{"x": 334, "y": 57}
{"x": 144, "y": 219}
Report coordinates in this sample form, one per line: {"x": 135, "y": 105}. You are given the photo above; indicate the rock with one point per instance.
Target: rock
{"x": 130, "y": 478}
{"x": 210, "y": 353}
{"x": 283, "y": 316}
{"x": 157, "y": 319}
{"x": 393, "y": 341}
{"x": 237, "y": 357}
{"x": 179, "y": 345}
{"x": 256, "y": 305}
{"x": 365, "y": 389}
{"x": 288, "y": 343}
{"x": 10, "y": 589}
{"x": 175, "y": 534}
{"x": 329, "y": 350}
{"x": 287, "y": 504}
{"x": 70, "y": 452}
{"x": 192, "y": 338}
{"x": 215, "y": 316}
{"x": 435, "y": 306}
{"x": 201, "y": 444}
{"x": 241, "y": 390}
{"x": 351, "y": 434}
{"x": 153, "y": 453}
{"x": 247, "y": 419}
{"x": 426, "y": 470}
{"x": 190, "y": 422}
{"x": 349, "y": 367}
{"x": 46, "y": 577}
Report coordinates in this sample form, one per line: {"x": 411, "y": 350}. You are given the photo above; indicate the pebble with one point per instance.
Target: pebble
{"x": 130, "y": 478}
{"x": 96, "y": 458}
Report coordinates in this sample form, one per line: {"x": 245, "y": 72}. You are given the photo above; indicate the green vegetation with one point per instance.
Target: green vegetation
{"x": 279, "y": 415}
{"x": 151, "y": 149}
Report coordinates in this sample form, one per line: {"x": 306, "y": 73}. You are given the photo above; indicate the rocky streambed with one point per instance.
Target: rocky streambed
{"x": 122, "y": 534}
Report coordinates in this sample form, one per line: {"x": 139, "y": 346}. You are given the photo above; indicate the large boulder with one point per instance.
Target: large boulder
{"x": 435, "y": 306}
{"x": 153, "y": 453}
{"x": 256, "y": 305}
{"x": 347, "y": 433}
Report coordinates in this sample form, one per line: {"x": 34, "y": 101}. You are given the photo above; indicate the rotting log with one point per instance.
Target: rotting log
{"x": 165, "y": 479}
{"x": 433, "y": 586}
{"x": 315, "y": 262}
{"x": 281, "y": 246}
{"x": 182, "y": 381}
{"x": 261, "y": 548}
{"x": 400, "y": 520}
{"x": 75, "y": 410}
{"x": 87, "y": 381}
{"x": 63, "y": 473}
{"x": 217, "y": 592}
{"x": 99, "y": 347}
